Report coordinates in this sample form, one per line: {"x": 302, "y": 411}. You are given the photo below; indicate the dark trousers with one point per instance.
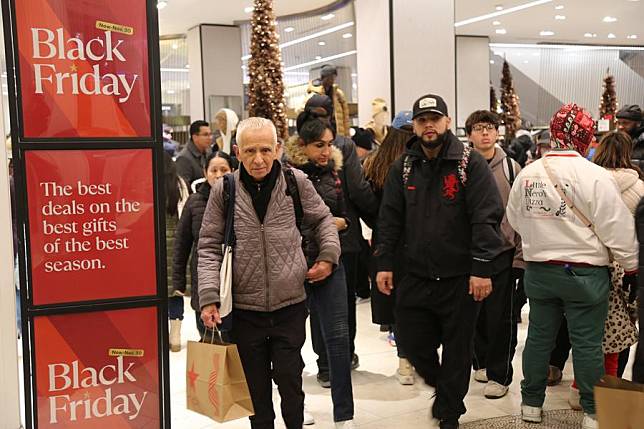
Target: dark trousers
{"x": 175, "y": 307}
{"x": 270, "y": 345}
{"x": 560, "y": 353}
{"x": 330, "y": 335}
{"x": 434, "y": 312}
{"x": 363, "y": 282}
{"x": 495, "y": 340}
{"x": 638, "y": 365}
{"x": 519, "y": 297}
{"x": 350, "y": 262}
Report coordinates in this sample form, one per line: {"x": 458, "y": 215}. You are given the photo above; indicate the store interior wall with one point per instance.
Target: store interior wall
{"x": 197, "y": 108}
{"x": 472, "y": 76}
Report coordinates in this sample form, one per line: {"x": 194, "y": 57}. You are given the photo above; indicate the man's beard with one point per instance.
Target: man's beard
{"x": 440, "y": 139}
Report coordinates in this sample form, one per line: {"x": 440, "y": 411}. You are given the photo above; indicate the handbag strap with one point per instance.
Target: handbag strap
{"x": 565, "y": 197}
{"x": 229, "y": 212}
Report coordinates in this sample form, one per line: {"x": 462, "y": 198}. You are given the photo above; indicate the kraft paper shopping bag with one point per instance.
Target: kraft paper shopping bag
{"x": 215, "y": 382}
{"x": 619, "y": 403}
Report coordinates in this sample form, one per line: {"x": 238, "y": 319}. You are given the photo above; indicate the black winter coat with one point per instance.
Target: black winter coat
{"x": 449, "y": 229}
{"x": 327, "y": 182}
{"x": 638, "y": 365}
{"x": 186, "y": 241}
{"x": 360, "y": 199}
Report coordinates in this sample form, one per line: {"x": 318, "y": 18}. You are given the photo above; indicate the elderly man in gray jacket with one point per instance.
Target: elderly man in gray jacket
{"x": 269, "y": 270}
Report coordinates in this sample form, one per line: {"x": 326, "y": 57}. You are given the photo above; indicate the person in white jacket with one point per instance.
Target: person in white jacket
{"x": 571, "y": 217}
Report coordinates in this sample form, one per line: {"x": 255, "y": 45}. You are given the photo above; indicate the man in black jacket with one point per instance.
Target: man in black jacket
{"x": 441, "y": 197}
{"x": 361, "y": 202}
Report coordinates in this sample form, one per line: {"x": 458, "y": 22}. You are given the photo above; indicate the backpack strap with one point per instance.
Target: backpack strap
{"x": 508, "y": 170}
{"x": 406, "y": 171}
{"x": 293, "y": 191}
{"x": 229, "y": 209}
{"x": 462, "y": 165}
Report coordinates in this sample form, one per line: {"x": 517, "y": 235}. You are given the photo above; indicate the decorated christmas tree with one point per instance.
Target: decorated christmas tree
{"x": 266, "y": 88}
{"x": 494, "y": 102}
{"x": 510, "y": 112}
{"x": 608, "y": 102}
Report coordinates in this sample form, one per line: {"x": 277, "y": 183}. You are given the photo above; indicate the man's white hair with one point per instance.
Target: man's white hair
{"x": 255, "y": 123}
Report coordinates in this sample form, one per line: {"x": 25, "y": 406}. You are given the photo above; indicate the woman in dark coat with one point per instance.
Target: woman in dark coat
{"x": 187, "y": 233}
{"x": 376, "y": 168}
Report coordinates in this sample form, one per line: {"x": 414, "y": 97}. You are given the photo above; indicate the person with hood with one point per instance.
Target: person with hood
{"x": 571, "y": 218}
{"x": 629, "y": 120}
{"x": 521, "y": 147}
{"x": 312, "y": 152}
{"x": 226, "y": 121}
{"x": 361, "y": 203}
{"x": 496, "y": 339}
{"x": 339, "y": 112}
{"x": 186, "y": 240}
{"x": 441, "y": 199}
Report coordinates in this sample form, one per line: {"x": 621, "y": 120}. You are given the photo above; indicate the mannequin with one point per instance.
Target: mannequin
{"x": 326, "y": 86}
{"x": 379, "y": 119}
{"x": 226, "y": 123}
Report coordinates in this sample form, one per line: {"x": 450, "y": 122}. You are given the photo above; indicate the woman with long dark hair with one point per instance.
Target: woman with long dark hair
{"x": 312, "y": 151}
{"x": 376, "y": 168}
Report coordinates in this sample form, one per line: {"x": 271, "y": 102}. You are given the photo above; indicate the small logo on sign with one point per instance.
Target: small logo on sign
{"x": 427, "y": 102}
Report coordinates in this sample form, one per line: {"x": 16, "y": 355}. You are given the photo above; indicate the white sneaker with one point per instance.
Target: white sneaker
{"x": 480, "y": 375}
{"x": 589, "y": 422}
{"x": 530, "y": 414}
{"x": 308, "y": 418}
{"x": 574, "y": 399}
{"x": 347, "y": 424}
{"x": 405, "y": 372}
{"x": 494, "y": 390}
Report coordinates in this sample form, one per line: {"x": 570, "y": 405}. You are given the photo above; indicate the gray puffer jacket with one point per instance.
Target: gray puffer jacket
{"x": 269, "y": 267}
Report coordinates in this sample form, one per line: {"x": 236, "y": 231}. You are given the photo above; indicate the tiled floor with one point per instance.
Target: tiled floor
{"x": 380, "y": 401}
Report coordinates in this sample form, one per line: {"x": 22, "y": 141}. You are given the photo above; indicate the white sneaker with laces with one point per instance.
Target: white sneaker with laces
{"x": 530, "y": 414}
{"x": 480, "y": 375}
{"x": 347, "y": 424}
{"x": 494, "y": 390}
{"x": 589, "y": 422}
{"x": 308, "y": 418}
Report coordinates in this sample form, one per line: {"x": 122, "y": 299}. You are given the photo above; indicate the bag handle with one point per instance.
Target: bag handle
{"x": 212, "y": 340}
{"x": 565, "y": 197}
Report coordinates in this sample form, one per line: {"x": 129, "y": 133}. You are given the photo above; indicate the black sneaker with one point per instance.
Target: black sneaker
{"x": 355, "y": 361}
{"x": 448, "y": 424}
{"x": 324, "y": 380}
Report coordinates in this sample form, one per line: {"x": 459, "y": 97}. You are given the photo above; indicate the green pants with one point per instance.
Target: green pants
{"x": 582, "y": 295}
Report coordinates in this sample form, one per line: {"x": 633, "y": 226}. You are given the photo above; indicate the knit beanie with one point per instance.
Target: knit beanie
{"x": 572, "y": 128}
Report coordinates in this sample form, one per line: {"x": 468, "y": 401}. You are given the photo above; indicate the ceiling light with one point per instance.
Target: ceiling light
{"x": 175, "y": 46}
{"x": 491, "y": 61}
{"x": 317, "y": 57}
{"x": 311, "y": 36}
{"x": 321, "y": 60}
{"x": 249, "y": 9}
{"x": 525, "y": 61}
{"x": 588, "y": 34}
{"x": 187, "y": 66}
{"x": 560, "y": 17}
{"x": 499, "y": 7}
{"x": 609, "y": 19}
{"x": 611, "y": 36}
{"x": 170, "y": 91}
{"x": 347, "y": 35}
{"x": 559, "y": 7}
{"x": 327, "y": 17}
{"x": 501, "y": 31}
{"x": 496, "y": 22}
{"x": 497, "y": 46}
{"x": 321, "y": 43}
{"x": 161, "y": 4}
{"x": 288, "y": 29}
{"x": 632, "y": 36}
{"x": 501, "y": 12}
{"x": 546, "y": 33}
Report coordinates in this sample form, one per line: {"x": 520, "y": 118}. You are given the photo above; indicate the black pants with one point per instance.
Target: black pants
{"x": 270, "y": 347}
{"x": 495, "y": 340}
{"x": 560, "y": 353}
{"x": 519, "y": 297}
{"x": 434, "y": 312}
{"x": 363, "y": 282}
{"x": 350, "y": 262}
{"x": 638, "y": 365}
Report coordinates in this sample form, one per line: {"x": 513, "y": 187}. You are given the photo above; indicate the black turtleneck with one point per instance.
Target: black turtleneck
{"x": 260, "y": 192}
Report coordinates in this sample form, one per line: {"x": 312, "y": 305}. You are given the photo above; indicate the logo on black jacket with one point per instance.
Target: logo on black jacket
{"x": 450, "y": 186}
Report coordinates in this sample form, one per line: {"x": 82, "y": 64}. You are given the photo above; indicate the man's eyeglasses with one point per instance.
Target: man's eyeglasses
{"x": 480, "y": 127}
{"x": 205, "y": 135}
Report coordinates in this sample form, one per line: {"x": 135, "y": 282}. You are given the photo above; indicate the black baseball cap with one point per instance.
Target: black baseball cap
{"x": 429, "y": 103}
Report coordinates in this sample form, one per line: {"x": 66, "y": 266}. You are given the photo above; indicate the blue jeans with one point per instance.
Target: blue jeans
{"x": 327, "y": 303}
{"x": 175, "y": 307}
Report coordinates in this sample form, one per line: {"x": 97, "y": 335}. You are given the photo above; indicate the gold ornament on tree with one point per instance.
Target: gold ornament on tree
{"x": 266, "y": 87}
{"x": 608, "y": 103}
{"x": 510, "y": 111}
